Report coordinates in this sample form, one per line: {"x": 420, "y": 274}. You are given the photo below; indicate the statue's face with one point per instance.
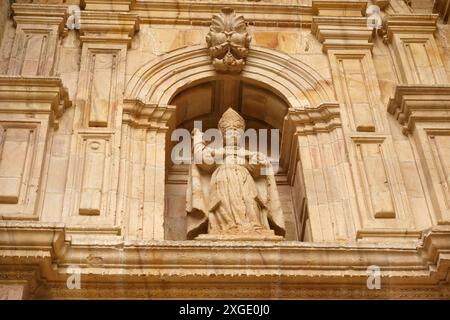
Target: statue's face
{"x": 232, "y": 137}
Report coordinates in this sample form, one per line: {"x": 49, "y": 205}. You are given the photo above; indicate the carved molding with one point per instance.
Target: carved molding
{"x": 38, "y": 29}
{"x": 40, "y": 14}
{"x": 145, "y": 127}
{"x": 424, "y": 113}
{"x": 306, "y": 121}
{"x": 232, "y": 291}
{"x": 108, "y": 27}
{"x": 156, "y": 83}
{"x": 420, "y": 103}
{"x": 141, "y": 115}
{"x": 310, "y": 136}
{"x": 94, "y": 169}
{"x": 415, "y": 49}
{"x": 29, "y": 107}
{"x": 228, "y": 41}
{"x": 318, "y": 268}
{"x": 107, "y": 5}
{"x": 263, "y": 13}
{"x": 349, "y": 8}
{"x": 50, "y": 96}
{"x": 342, "y": 33}
{"x": 409, "y": 24}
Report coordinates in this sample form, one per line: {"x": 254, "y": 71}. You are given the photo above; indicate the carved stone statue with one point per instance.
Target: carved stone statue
{"x": 235, "y": 196}
{"x": 228, "y": 41}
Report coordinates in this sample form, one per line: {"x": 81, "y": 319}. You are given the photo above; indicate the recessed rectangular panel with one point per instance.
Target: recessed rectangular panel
{"x": 14, "y": 155}
{"x": 375, "y": 178}
{"x": 355, "y": 92}
{"x": 102, "y": 88}
{"x": 93, "y": 176}
{"x": 440, "y": 146}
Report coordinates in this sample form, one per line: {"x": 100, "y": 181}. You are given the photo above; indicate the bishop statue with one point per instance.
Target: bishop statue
{"x": 232, "y": 194}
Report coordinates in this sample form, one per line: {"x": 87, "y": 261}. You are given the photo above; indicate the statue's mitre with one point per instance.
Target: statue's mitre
{"x": 231, "y": 120}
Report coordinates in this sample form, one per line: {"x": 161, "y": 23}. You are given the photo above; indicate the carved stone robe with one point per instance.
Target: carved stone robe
{"x": 232, "y": 198}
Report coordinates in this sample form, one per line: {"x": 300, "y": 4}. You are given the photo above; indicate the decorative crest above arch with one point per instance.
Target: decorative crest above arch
{"x": 228, "y": 41}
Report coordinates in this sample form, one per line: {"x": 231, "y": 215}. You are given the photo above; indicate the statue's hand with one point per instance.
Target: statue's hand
{"x": 262, "y": 159}
{"x": 259, "y": 159}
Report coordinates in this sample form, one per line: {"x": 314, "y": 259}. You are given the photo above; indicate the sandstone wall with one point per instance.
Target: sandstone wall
{"x": 86, "y": 118}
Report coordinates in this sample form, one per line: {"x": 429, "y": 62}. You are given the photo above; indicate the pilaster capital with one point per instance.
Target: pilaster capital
{"x": 108, "y": 27}
{"x": 409, "y": 24}
{"x": 107, "y": 5}
{"x": 146, "y": 115}
{"x": 337, "y": 8}
{"x": 338, "y": 33}
{"x": 420, "y": 103}
{"x": 323, "y": 118}
{"x": 40, "y": 14}
{"x": 33, "y": 95}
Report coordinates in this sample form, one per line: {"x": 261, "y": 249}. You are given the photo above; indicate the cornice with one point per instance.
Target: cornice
{"x": 108, "y": 27}
{"x": 323, "y": 118}
{"x": 289, "y": 14}
{"x": 33, "y": 95}
{"x": 337, "y": 7}
{"x": 420, "y": 103}
{"x": 238, "y": 290}
{"x": 423, "y": 264}
{"x": 286, "y": 14}
{"x": 342, "y": 33}
{"x": 144, "y": 115}
{"x": 107, "y": 5}
{"x": 409, "y": 24}
{"x": 40, "y": 14}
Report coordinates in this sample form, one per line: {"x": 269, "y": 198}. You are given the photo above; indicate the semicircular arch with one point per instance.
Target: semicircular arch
{"x": 159, "y": 80}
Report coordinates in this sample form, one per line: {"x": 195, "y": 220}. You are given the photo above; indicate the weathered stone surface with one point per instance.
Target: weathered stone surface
{"x": 241, "y": 197}
{"x": 87, "y": 116}
{"x": 228, "y": 41}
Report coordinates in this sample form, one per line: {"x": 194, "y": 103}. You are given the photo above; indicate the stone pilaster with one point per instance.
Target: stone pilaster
{"x": 421, "y": 103}
{"x": 382, "y": 208}
{"x": 93, "y": 176}
{"x": 321, "y": 184}
{"x": 415, "y": 51}
{"x": 143, "y": 168}
{"x": 38, "y": 29}
{"x": 424, "y": 113}
{"x": 29, "y": 110}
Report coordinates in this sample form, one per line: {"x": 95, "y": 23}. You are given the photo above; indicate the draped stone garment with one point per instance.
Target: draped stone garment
{"x": 234, "y": 199}
{"x": 235, "y": 205}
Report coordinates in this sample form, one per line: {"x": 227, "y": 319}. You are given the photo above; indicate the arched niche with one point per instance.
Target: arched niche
{"x": 158, "y": 81}
{"x": 272, "y": 87}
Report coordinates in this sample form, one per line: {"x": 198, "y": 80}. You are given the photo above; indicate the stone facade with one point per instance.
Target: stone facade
{"x": 88, "y": 191}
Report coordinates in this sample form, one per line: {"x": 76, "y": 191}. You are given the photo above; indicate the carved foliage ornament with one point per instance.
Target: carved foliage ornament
{"x": 228, "y": 41}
